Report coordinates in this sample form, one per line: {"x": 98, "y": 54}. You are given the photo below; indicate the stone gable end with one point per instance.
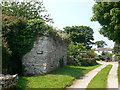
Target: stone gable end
{"x": 44, "y": 57}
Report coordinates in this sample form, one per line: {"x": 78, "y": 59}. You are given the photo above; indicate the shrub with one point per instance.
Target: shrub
{"x": 97, "y": 58}
{"x": 20, "y": 34}
{"x": 73, "y": 53}
{"x": 88, "y": 54}
{"x": 88, "y": 62}
{"x": 6, "y": 61}
{"x": 107, "y": 55}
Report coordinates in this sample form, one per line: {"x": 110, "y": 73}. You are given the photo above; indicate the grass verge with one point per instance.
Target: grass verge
{"x": 61, "y": 78}
{"x": 100, "y": 80}
{"x": 119, "y": 72}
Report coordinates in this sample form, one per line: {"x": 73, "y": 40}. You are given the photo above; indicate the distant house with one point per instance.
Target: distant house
{"x": 100, "y": 50}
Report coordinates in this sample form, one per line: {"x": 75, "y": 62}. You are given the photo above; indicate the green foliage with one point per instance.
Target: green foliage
{"x": 100, "y": 44}
{"x": 73, "y": 52}
{"x": 20, "y": 34}
{"x": 6, "y": 62}
{"x": 88, "y": 54}
{"x": 80, "y": 34}
{"x": 61, "y": 62}
{"x": 107, "y": 55}
{"x": 101, "y": 57}
{"x": 116, "y": 48}
{"x": 28, "y": 10}
{"x": 88, "y": 62}
{"x": 100, "y": 80}
{"x": 97, "y": 58}
{"x": 88, "y": 58}
{"x": 108, "y": 15}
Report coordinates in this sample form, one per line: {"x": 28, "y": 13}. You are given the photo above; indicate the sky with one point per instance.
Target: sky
{"x": 74, "y": 13}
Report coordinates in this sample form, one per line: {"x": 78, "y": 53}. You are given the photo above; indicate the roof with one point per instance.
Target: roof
{"x": 104, "y": 49}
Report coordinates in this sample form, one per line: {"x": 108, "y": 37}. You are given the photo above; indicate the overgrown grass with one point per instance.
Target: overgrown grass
{"x": 61, "y": 78}
{"x": 100, "y": 80}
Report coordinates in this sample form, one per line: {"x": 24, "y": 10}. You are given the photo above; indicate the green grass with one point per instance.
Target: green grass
{"x": 100, "y": 80}
{"x": 61, "y": 78}
{"x": 119, "y": 73}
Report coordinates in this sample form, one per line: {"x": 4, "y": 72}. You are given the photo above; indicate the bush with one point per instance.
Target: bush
{"x": 97, "y": 58}
{"x": 78, "y": 56}
{"x": 6, "y": 61}
{"x": 107, "y": 55}
{"x": 88, "y": 62}
{"x": 73, "y": 53}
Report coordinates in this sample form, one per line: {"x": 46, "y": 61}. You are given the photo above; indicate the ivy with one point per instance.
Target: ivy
{"x": 20, "y": 34}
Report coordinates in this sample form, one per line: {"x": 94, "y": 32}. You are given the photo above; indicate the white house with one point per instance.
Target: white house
{"x": 100, "y": 50}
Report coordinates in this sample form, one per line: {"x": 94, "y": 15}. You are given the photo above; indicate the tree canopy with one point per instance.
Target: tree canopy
{"x": 100, "y": 44}
{"x": 28, "y": 10}
{"x": 22, "y": 23}
{"x": 81, "y": 34}
{"x": 108, "y": 15}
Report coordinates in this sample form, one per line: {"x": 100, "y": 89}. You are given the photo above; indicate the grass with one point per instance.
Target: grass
{"x": 61, "y": 78}
{"x": 100, "y": 80}
{"x": 119, "y": 73}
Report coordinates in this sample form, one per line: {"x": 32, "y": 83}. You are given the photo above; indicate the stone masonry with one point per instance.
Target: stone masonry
{"x": 45, "y": 56}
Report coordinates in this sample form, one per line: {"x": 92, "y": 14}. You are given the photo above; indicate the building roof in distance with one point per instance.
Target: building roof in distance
{"x": 104, "y": 49}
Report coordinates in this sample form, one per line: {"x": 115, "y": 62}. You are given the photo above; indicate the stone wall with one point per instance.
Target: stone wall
{"x": 7, "y": 81}
{"x": 45, "y": 56}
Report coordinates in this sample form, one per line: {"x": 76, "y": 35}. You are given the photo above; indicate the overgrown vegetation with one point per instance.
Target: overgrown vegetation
{"x": 73, "y": 53}
{"x": 100, "y": 80}
{"x": 79, "y": 49}
{"x": 77, "y": 55}
{"x": 22, "y": 23}
{"x": 61, "y": 78}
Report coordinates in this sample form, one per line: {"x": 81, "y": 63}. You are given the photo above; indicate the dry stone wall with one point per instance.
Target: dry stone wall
{"x": 45, "y": 56}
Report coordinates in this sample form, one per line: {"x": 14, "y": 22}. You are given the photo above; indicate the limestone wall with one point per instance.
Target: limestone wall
{"x": 7, "y": 81}
{"x": 45, "y": 56}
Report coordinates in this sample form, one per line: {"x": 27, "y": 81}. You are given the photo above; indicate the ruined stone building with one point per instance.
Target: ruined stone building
{"x": 47, "y": 55}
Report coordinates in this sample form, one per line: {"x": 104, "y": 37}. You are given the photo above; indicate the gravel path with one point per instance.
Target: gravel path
{"x": 84, "y": 81}
{"x": 112, "y": 81}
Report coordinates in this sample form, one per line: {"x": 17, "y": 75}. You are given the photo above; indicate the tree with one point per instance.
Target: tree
{"x": 108, "y": 15}
{"x": 28, "y": 10}
{"x": 19, "y": 35}
{"x": 100, "y": 44}
{"x": 116, "y": 49}
{"x": 81, "y": 34}
{"x": 21, "y": 24}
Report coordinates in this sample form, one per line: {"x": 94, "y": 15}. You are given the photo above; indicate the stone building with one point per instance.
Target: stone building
{"x": 47, "y": 55}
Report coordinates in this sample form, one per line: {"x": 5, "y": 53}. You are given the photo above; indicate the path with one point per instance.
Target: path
{"x": 85, "y": 80}
{"x": 112, "y": 81}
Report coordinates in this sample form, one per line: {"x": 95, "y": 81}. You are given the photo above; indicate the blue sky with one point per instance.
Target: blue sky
{"x": 74, "y": 12}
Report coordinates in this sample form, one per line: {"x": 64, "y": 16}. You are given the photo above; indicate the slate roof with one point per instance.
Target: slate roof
{"x": 104, "y": 49}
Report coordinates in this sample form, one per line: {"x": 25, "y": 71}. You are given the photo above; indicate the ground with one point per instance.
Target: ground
{"x": 112, "y": 81}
